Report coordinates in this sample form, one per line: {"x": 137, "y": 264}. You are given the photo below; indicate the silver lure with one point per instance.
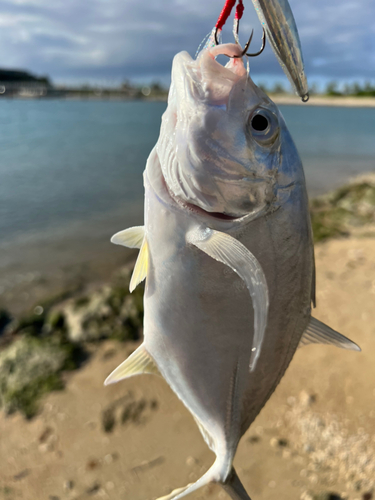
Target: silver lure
{"x": 278, "y": 21}
{"x": 227, "y": 253}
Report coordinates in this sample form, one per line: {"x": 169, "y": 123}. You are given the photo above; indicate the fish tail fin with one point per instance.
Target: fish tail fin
{"x": 229, "y": 482}
{"x": 234, "y": 487}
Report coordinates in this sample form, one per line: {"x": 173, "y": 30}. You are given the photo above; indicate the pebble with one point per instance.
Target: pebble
{"x": 110, "y": 486}
{"x": 108, "y": 459}
{"x": 190, "y": 461}
{"x": 274, "y": 442}
{"x": 306, "y": 496}
{"x": 68, "y": 485}
{"x": 306, "y": 399}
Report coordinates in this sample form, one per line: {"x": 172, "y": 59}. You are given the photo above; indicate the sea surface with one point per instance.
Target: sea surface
{"x": 71, "y": 176}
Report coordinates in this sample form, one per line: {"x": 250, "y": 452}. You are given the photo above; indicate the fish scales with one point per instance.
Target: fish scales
{"x": 227, "y": 254}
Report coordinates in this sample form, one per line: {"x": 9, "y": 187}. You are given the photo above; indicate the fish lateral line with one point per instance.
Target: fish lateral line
{"x": 231, "y": 252}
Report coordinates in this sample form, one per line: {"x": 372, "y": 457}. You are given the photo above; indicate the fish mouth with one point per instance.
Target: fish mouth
{"x": 208, "y": 80}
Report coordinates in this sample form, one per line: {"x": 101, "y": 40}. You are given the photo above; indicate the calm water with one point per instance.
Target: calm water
{"x": 70, "y": 175}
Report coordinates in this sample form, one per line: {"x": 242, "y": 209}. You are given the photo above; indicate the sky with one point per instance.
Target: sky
{"x": 104, "y": 42}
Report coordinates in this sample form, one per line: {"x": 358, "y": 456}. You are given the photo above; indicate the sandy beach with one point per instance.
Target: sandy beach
{"x": 322, "y": 100}
{"x": 315, "y": 435}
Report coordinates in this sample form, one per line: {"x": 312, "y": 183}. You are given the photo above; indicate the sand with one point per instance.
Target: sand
{"x": 322, "y": 100}
{"x": 316, "y": 434}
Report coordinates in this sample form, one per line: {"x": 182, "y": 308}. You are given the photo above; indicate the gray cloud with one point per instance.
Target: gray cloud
{"x": 118, "y": 39}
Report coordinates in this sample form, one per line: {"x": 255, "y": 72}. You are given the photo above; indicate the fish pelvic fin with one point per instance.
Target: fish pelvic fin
{"x": 229, "y": 482}
{"x": 130, "y": 238}
{"x": 319, "y": 333}
{"x": 226, "y": 249}
{"x": 134, "y": 237}
{"x": 137, "y": 363}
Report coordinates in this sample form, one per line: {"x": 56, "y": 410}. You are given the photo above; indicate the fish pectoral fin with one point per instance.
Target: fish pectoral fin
{"x": 319, "y": 333}
{"x": 226, "y": 249}
{"x": 131, "y": 237}
{"x": 137, "y": 363}
{"x": 141, "y": 266}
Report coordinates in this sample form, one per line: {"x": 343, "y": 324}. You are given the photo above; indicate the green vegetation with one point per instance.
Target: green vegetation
{"x": 41, "y": 345}
{"x": 339, "y": 212}
{"x": 332, "y": 89}
{"x": 355, "y": 89}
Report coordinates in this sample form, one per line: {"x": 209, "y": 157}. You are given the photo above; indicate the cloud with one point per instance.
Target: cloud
{"x": 116, "y": 39}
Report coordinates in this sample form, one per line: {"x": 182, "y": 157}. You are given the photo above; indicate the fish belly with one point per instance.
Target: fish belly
{"x": 198, "y": 323}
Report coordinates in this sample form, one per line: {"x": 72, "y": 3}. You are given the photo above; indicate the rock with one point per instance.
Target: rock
{"x": 110, "y": 312}
{"x": 338, "y": 212}
{"x": 30, "y": 367}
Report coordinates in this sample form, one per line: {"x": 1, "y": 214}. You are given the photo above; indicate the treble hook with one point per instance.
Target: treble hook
{"x": 244, "y": 52}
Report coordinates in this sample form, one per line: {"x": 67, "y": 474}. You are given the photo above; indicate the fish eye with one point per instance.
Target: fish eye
{"x": 259, "y": 122}
{"x": 263, "y": 125}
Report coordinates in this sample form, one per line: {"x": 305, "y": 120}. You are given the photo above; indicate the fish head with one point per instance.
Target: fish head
{"x": 221, "y": 141}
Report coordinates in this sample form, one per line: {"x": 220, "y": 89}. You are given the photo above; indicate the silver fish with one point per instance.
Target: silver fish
{"x": 228, "y": 254}
{"x": 278, "y": 21}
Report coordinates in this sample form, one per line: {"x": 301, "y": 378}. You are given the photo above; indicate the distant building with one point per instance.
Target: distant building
{"x": 14, "y": 83}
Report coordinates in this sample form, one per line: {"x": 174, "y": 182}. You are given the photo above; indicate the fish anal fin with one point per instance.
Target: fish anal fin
{"x": 141, "y": 266}
{"x": 231, "y": 252}
{"x": 137, "y": 363}
{"x": 130, "y": 238}
{"x": 319, "y": 333}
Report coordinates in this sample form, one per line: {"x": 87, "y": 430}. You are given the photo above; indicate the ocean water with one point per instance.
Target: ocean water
{"x": 71, "y": 176}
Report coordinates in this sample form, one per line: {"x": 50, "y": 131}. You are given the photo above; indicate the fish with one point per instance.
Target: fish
{"x": 227, "y": 253}
{"x": 277, "y": 19}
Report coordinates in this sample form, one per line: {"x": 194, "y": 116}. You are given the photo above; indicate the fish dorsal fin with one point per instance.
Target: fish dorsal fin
{"x": 229, "y": 251}
{"x": 131, "y": 237}
{"x": 141, "y": 267}
{"x": 137, "y": 363}
{"x": 319, "y": 333}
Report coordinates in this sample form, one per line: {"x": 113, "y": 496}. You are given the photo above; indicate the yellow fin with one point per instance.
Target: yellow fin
{"x": 131, "y": 237}
{"x": 141, "y": 267}
{"x": 137, "y": 363}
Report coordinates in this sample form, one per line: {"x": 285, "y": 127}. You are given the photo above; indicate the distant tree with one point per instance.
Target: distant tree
{"x": 332, "y": 89}
{"x": 263, "y": 86}
{"x": 46, "y": 80}
{"x": 313, "y": 90}
{"x": 356, "y": 89}
{"x": 278, "y": 88}
{"x": 126, "y": 85}
{"x": 156, "y": 87}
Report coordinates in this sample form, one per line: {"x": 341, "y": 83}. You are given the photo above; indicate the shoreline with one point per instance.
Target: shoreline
{"x": 346, "y": 102}
{"x": 279, "y": 99}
